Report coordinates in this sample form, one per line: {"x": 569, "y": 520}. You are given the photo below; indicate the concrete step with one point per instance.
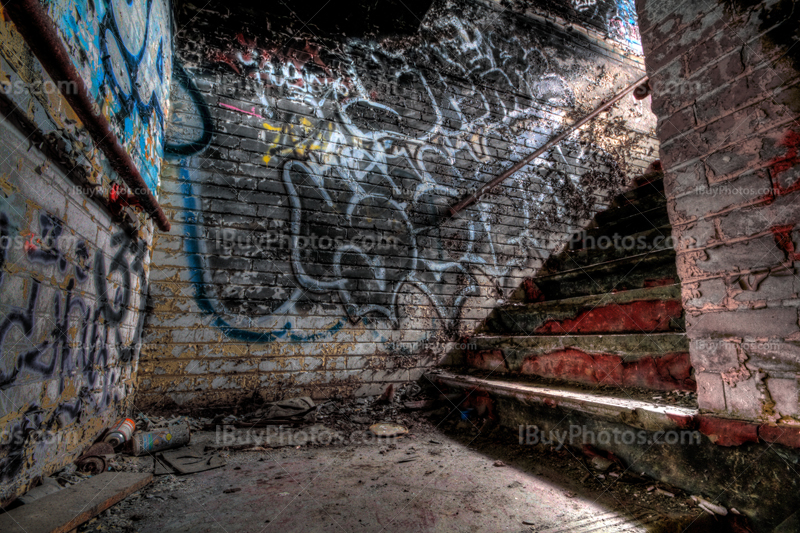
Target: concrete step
{"x": 636, "y": 413}
{"x": 585, "y": 251}
{"x": 657, "y": 361}
{"x": 655, "y": 268}
{"x": 648, "y": 310}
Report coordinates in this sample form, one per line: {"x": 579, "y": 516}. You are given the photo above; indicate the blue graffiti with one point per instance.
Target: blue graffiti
{"x": 133, "y": 57}
{"x": 192, "y": 247}
{"x": 193, "y": 242}
{"x": 193, "y": 147}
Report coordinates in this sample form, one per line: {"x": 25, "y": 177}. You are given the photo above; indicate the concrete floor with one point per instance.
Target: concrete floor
{"x": 427, "y": 481}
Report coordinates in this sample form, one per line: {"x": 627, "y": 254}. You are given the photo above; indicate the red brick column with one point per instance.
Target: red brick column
{"x": 724, "y": 80}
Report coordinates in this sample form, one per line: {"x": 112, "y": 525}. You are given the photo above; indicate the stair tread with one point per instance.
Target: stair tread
{"x": 596, "y": 299}
{"x": 628, "y": 346}
{"x": 562, "y": 336}
{"x": 655, "y": 254}
{"x": 629, "y": 408}
{"x": 661, "y": 230}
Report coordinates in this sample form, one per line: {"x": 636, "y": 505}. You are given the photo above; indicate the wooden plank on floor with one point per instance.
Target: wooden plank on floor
{"x": 67, "y": 509}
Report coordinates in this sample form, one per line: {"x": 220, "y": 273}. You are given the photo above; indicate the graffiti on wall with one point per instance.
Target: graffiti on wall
{"x": 617, "y": 17}
{"x": 377, "y": 139}
{"x": 68, "y": 352}
{"x": 123, "y": 49}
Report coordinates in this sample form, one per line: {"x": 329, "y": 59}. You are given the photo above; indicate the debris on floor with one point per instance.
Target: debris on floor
{"x": 187, "y": 460}
{"x": 385, "y": 429}
{"x": 172, "y": 436}
{"x": 95, "y": 459}
{"x": 404, "y": 446}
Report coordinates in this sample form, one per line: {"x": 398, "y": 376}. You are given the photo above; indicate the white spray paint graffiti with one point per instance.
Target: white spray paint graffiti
{"x": 351, "y": 157}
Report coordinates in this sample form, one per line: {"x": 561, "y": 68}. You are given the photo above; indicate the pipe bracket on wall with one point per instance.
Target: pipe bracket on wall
{"x": 41, "y": 36}
{"x": 472, "y": 198}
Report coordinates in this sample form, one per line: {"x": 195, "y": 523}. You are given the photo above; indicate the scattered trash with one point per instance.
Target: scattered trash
{"x": 95, "y": 459}
{"x": 388, "y": 394}
{"x": 709, "y": 507}
{"x": 189, "y": 460}
{"x": 293, "y": 411}
{"x": 170, "y": 437}
{"x": 499, "y": 463}
{"x": 120, "y": 433}
{"x": 385, "y": 429}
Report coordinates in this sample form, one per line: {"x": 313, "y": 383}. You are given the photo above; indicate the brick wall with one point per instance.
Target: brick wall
{"x": 725, "y": 93}
{"x": 73, "y": 275}
{"x": 311, "y": 251}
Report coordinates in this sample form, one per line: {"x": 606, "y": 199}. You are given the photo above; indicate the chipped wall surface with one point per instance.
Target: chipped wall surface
{"x": 123, "y": 51}
{"x": 72, "y": 280}
{"x": 311, "y": 177}
{"x": 725, "y": 78}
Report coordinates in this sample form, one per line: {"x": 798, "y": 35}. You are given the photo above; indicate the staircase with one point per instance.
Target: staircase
{"x": 595, "y": 341}
{"x": 604, "y": 313}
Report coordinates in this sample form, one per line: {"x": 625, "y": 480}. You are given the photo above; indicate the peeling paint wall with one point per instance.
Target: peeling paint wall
{"x": 73, "y": 279}
{"x": 725, "y": 79}
{"x": 123, "y": 51}
{"x": 310, "y": 180}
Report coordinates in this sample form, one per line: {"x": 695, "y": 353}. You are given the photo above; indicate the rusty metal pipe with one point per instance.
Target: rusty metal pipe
{"x": 40, "y": 34}
{"x": 463, "y": 204}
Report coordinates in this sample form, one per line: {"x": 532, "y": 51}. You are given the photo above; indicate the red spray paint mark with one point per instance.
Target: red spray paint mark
{"x": 30, "y": 245}
{"x": 233, "y": 108}
{"x": 783, "y": 238}
{"x": 487, "y": 360}
{"x": 119, "y": 198}
{"x": 228, "y": 59}
{"x": 726, "y": 432}
{"x": 667, "y": 372}
{"x": 532, "y": 292}
{"x": 780, "y": 164}
{"x": 642, "y": 316}
{"x": 244, "y": 41}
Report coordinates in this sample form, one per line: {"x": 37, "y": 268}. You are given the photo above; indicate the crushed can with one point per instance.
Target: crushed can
{"x": 173, "y": 436}
{"x": 121, "y": 432}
